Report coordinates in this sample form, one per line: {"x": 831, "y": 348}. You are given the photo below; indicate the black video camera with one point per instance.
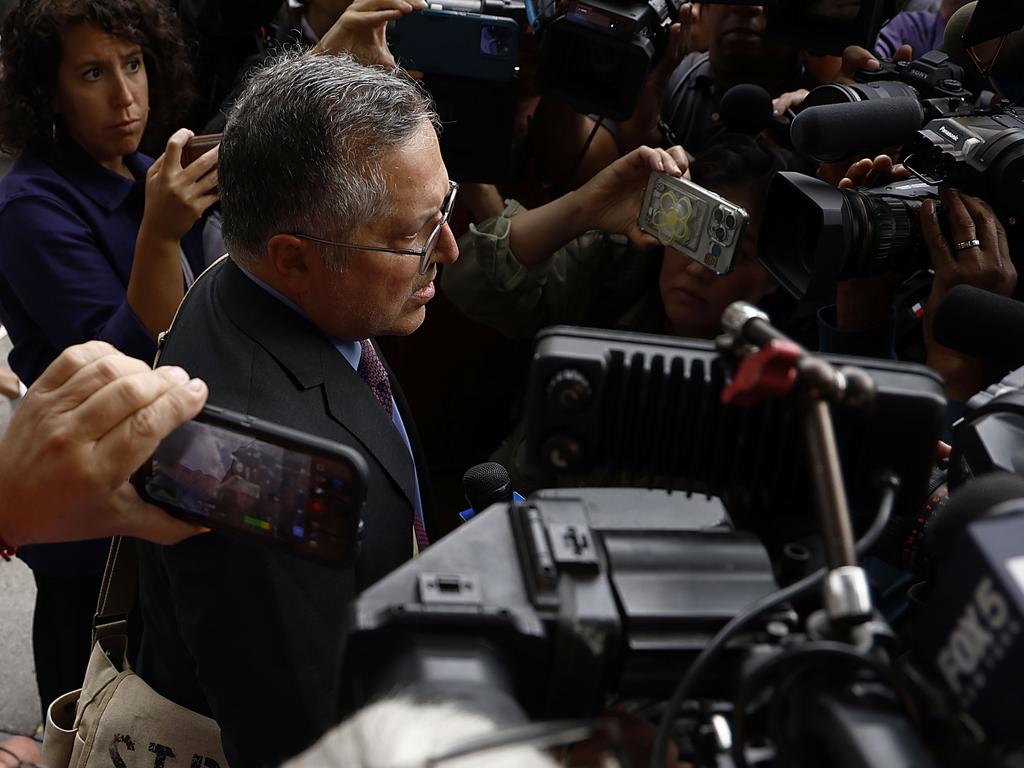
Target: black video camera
{"x": 814, "y": 234}
{"x": 596, "y": 55}
{"x": 575, "y": 598}
{"x": 932, "y": 76}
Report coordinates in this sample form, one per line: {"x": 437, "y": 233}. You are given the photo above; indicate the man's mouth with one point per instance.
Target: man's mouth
{"x": 425, "y": 292}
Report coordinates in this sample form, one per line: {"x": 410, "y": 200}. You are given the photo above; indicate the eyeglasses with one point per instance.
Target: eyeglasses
{"x": 424, "y": 253}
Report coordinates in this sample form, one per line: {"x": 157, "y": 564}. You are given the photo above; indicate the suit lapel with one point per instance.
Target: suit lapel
{"x": 351, "y": 403}
{"x": 313, "y": 361}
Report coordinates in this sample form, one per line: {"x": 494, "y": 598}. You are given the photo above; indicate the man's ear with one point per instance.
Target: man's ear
{"x": 290, "y": 264}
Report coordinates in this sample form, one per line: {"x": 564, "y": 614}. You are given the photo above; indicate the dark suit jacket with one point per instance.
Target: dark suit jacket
{"x": 247, "y": 634}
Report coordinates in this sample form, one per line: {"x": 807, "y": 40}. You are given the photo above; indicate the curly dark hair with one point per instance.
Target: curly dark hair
{"x": 31, "y": 52}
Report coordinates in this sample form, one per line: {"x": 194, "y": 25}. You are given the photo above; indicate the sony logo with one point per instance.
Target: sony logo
{"x": 974, "y": 635}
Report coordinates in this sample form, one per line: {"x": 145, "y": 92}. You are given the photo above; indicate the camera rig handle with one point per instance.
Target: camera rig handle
{"x": 771, "y": 365}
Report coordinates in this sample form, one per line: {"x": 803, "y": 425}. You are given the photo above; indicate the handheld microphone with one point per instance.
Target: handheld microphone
{"x": 982, "y": 324}
{"x": 486, "y": 484}
{"x": 972, "y": 627}
{"x": 746, "y": 108}
{"x": 833, "y": 131}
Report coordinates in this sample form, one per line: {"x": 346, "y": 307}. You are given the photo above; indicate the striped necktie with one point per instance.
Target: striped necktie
{"x": 372, "y": 371}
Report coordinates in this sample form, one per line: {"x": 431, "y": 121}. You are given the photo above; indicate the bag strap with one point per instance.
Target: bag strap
{"x": 117, "y": 590}
{"x": 119, "y": 587}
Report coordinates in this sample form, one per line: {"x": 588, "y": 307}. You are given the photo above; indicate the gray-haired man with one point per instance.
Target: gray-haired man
{"x": 335, "y": 202}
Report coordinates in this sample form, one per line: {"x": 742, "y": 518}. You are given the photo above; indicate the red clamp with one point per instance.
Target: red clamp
{"x": 769, "y": 373}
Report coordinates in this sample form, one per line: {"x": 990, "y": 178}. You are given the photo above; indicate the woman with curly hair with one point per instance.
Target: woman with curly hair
{"x": 97, "y": 241}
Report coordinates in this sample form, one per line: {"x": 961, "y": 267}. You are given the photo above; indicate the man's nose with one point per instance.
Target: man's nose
{"x": 446, "y": 250}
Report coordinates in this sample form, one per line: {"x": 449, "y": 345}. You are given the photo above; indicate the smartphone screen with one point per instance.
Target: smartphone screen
{"x": 228, "y": 478}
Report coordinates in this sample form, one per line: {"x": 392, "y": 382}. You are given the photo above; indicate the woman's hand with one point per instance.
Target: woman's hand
{"x": 611, "y": 201}
{"x": 986, "y": 265}
{"x": 176, "y": 197}
{"x": 360, "y": 30}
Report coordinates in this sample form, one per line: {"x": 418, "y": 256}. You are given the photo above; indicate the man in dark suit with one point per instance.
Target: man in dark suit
{"x": 335, "y": 203}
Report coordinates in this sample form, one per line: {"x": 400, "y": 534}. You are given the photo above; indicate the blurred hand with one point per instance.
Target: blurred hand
{"x": 867, "y": 172}
{"x": 176, "y": 197}
{"x": 82, "y": 428}
{"x": 361, "y": 30}
{"x": 987, "y": 266}
{"x": 26, "y": 749}
{"x": 9, "y": 385}
{"x": 788, "y": 100}
{"x": 856, "y": 58}
{"x": 612, "y": 199}
{"x": 861, "y": 173}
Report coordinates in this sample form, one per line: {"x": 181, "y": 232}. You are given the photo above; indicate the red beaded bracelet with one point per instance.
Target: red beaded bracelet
{"x": 6, "y": 550}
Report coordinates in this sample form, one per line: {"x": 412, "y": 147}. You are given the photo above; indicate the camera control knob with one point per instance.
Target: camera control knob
{"x": 562, "y": 452}
{"x": 570, "y": 390}
{"x": 969, "y": 146}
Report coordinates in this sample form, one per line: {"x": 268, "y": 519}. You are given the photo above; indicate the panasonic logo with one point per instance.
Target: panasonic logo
{"x": 949, "y": 134}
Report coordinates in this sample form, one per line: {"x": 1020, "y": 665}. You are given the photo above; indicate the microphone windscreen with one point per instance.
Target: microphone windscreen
{"x": 862, "y": 128}
{"x": 746, "y": 108}
{"x": 1006, "y": 73}
{"x": 968, "y": 503}
{"x": 952, "y": 38}
{"x": 486, "y": 484}
{"x": 981, "y": 324}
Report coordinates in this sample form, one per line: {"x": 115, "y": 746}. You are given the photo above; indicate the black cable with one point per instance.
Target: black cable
{"x": 793, "y": 592}
{"x": 579, "y": 158}
{"x": 806, "y": 653}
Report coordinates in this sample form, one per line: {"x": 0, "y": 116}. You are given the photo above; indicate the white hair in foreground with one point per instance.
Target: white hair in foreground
{"x": 398, "y": 733}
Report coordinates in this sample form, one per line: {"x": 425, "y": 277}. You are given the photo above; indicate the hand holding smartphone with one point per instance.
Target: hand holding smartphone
{"x": 240, "y": 475}
{"x": 694, "y": 221}
{"x": 198, "y": 146}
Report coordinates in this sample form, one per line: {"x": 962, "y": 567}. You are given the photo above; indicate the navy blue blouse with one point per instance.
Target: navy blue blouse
{"x": 67, "y": 239}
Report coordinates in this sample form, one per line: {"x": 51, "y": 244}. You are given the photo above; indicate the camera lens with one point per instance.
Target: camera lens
{"x": 816, "y": 235}
{"x": 730, "y": 221}
{"x": 719, "y": 233}
{"x": 717, "y": 216}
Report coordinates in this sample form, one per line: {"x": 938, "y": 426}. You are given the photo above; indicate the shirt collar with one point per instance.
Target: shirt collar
{"x": 352, "y": 351}
{"x": 107, "y": 189}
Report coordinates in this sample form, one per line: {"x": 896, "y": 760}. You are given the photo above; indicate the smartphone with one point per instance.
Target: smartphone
{"x": 197, "y": 146}
{"x": 241, "y": 475}
{"x": 457, "y": 43}
{"x": 692, "y": 220}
